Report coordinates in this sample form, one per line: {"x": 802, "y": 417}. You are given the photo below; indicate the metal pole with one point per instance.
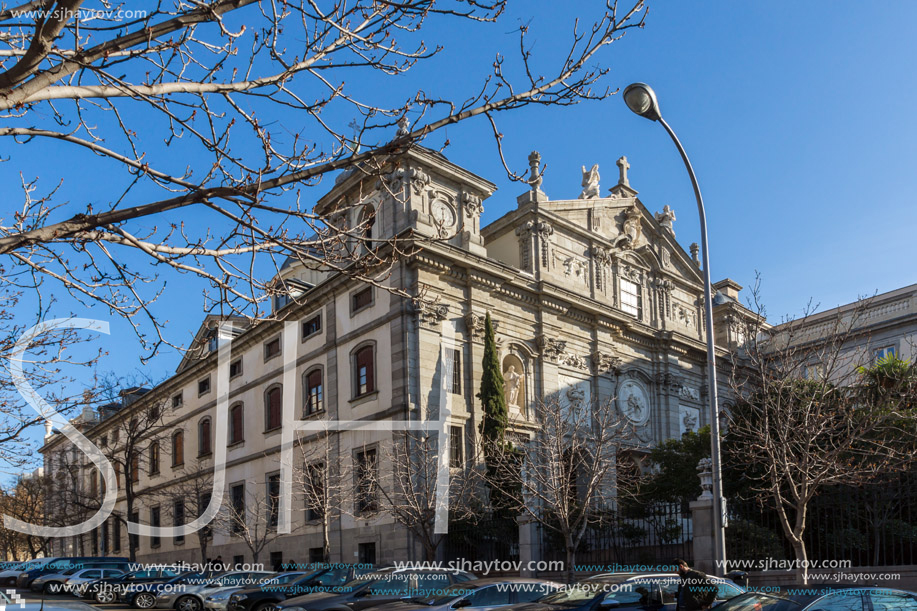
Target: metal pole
{"x": 719, "y": 538}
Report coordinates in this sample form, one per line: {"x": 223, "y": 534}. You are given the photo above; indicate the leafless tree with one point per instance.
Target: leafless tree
{"x": 801, "y": 422}
{"x": 567, "y": 468}
{"x": 53, "y": 359}
{"x": 211, "y": 120}
{"x": 325, "y": 481}
{"x": 26, "y": 501}
{"x": 406, "y": 481}
{"x": 192, "y": 492}
{"x": 251, "y": 518}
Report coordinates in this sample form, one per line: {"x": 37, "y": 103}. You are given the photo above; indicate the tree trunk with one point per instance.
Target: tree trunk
{"x": 571, "y": 555}
{"x": 802, "y": 568}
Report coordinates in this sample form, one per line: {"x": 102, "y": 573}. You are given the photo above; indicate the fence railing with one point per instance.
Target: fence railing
{"x": 873, "y": 525}
{"x": 653, "y": 535}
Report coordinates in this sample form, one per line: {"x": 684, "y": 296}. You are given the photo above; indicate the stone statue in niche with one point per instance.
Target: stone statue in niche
{"x": 512, "y": 381}
{"x": 590, "y": 183}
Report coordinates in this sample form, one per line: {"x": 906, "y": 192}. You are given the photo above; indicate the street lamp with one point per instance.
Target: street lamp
{"x": 641, "y": 99}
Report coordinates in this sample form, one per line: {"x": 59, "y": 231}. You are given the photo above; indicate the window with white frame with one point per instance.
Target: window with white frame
{"x": 630, "y": 297}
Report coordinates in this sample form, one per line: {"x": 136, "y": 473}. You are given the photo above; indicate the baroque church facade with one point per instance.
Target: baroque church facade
{"x": 592, "y": 299}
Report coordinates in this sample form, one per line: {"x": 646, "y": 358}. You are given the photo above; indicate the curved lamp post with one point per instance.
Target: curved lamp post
{"x": 641, "y": 99}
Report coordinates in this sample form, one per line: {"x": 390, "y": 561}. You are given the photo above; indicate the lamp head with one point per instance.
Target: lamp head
{"x": 641, "y": 99}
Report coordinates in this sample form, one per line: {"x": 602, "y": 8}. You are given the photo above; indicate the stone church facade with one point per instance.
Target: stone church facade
{"x": 592, "y": 298}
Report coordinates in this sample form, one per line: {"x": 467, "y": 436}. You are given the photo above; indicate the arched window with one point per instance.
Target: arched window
{"x": 314, "y": 392}
{"x": 178, "y": 448}
{"x": 204, "y": 438}
{"x": 273, "y": 408}
{"x": 236, "y": 423}
{"x": 367, "y": 222}
{"x": 364, "y": 370}
{"x": 154, "y": 458}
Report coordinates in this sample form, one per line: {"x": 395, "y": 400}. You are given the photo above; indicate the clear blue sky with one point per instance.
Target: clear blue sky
{"x": 799, "y": 118}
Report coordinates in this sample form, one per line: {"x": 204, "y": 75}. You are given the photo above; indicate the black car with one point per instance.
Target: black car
{"x": 632, "y": 591}
{"x": 322, "y": 580}
{"x": 142, "y": 595}
{"x": 823, "y": 598}
{"x": 377, "y": 589}
{"x": 59, "y": 565}
{"x": 108, "y": 590}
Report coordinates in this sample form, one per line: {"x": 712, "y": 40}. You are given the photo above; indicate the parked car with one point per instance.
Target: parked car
{"x": 143, "y": 595}
{"x": 219, "y": 599}
{"x": 263, "y": 598}
{"x": 191, "y": 598}
{"x": 108, "y": 589}
{"x": 57, "y": 565}
{"x": 7, "y": 572}
{"x": 79, "y": 579}
{"x": 835, "y": 597}
{"x": 53, "y": 583}
{"x": 649, "y": 592}
{"x": 384, "y": 586}
{"x": 477, "y": 595}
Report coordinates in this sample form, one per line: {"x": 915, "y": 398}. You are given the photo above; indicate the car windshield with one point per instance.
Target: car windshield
{"x": 281, "y": 579}
{"x": 575, "y": 594}
{"x": 358, "y": 582}
{"x": 756, "y": 601}
{"x": 446, "y": 595}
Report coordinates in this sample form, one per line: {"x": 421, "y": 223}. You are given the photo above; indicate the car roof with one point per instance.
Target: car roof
{"x": 486, "y": 581}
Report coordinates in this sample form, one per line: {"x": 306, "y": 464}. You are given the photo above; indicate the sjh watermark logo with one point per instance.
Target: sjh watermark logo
{"x": 291, "y": 425}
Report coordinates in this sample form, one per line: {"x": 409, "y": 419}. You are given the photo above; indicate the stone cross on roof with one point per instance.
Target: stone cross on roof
{"x": 623, "y": 166}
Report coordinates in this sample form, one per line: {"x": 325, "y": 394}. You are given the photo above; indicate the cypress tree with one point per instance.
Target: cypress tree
{"x": 492, "y": 396}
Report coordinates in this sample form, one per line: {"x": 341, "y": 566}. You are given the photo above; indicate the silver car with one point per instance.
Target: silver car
{"x": 477, "y": 595}
{"x": 54, "y": 583}
{"x": 219, "y": 599}
{"x": 76, "y": 581}
{"x": 191, "y": 597}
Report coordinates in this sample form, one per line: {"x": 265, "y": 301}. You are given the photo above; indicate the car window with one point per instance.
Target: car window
{"x": 669, "y": 587}
{"x": 461, "y": 577}
{"x": 490, "y": 596}
{"x": 885, "y": 600}
{"x": 281, "y": 579}
{"x": 634, "y": 593}
{"x": 725, "y": 590}
{"x": 528, "y": 592}
{"x": 845, "y": 600}
{"x": 575, "y": 594}
{"x": 392, "y": 585}
{"x": 431, "y": 584}
{"x": 93, "y": 574}
{"x": 335, "y": 577}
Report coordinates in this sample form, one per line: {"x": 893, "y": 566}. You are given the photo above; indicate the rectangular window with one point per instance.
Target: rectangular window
{"x": 630, "y": 297}
{"x": 453, "y": 370}
{"x": 315, "y": 400}
{"x": 235, "y": 368}
{"x": 361, "y": 299}
{"x": 315, "y": 491}
{"x": 276, "y": 561}
{"x": 104, "y": 441}
{"x": 273, "y": 499}
{"x": 882, "y": 353}
{"x": 154, "y": 458}
{"x": 271, "y": 348}
{"x": 177, "y": 400}
{"x": 456, "y": 447}
{"x": 273, "y": 417}
{"x": 203, "y": 386}
{"x": 366, "y": 475}
{"x": 237, "y": 503}
{"x": 178, "y": 515}
{"x": 116, "y": 533}
{"x": 312, "y": 326}
{"x": 94, "y": 484}
{"x": 155, "y": 523}
{"x": 135, "y": 468}
{"x": 316, "y": 555}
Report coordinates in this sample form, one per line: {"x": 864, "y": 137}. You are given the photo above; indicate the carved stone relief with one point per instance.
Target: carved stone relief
{"x": 688, "y": 418}
{"x": 633, "y": 402}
